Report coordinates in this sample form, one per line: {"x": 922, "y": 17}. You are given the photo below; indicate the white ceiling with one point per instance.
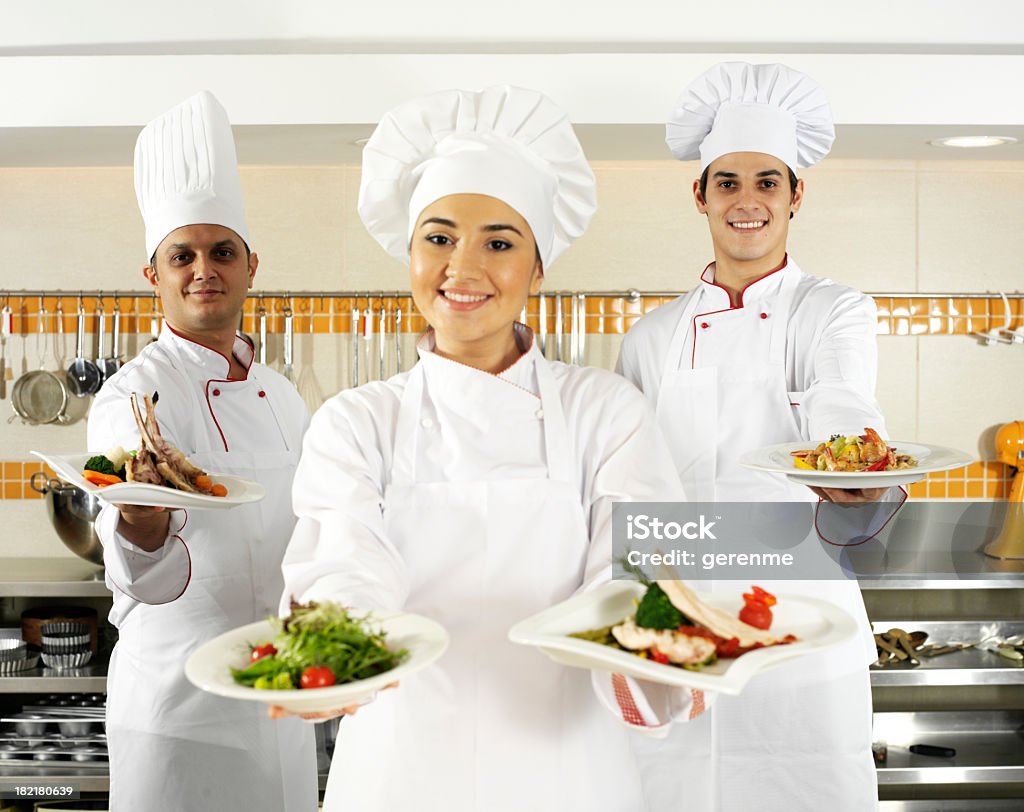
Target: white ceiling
{"x": 303, "y": 80}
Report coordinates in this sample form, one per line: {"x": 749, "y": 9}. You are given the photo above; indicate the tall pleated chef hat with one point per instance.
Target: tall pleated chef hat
{"x": 738, "y": 107}
{"x": 186, "y": 171}
{"x": 506, "y": 142}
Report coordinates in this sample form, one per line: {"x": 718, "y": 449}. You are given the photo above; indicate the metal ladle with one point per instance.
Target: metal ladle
{"x": 83, "y": 376}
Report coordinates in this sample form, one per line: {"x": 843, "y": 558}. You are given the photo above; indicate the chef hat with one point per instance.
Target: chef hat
{"x": 509, "y": 143}
{"x": 186, "y": 171}
{"x": 737, "y": 107}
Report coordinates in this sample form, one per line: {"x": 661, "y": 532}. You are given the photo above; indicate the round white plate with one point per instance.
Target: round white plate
{"x": 240, "y": 491}
{"x": 776, "y": 459}
{"x": 816, "y": 624}
{"x": 209, "y": 667}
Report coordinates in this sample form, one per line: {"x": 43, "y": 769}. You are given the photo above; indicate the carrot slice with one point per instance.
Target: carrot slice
{"x": 218, "y": 490}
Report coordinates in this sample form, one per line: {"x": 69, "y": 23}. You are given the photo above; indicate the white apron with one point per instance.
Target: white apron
{"x": 799, "y": 737}
{"x": 174, "y": 748}
{"x": 492, "y": 727}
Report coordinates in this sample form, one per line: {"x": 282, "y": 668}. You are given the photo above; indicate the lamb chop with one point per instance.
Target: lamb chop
{"x": 158, "y": 457}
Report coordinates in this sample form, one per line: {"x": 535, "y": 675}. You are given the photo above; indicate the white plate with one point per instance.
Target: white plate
{"x": 776, "y": 459}
{"x": 209, "y": 667}
{"x": 240, "y": 491}
{"x": 815, "y": 623}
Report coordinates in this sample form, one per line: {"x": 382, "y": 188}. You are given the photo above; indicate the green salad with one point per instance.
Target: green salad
{"x": 318, "y": 645}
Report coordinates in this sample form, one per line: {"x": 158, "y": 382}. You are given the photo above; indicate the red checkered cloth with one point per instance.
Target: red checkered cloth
{"x": 697, "y": 708}
{"x": 627, "y": 706}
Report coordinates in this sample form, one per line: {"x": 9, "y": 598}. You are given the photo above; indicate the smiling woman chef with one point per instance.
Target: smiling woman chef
{"x": 476, "y": 489}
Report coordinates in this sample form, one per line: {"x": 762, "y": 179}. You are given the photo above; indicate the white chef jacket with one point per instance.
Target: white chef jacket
{"x": 172, "y": 746}
{"x": 831, "y": 355}
{"x": 341, "y": 550}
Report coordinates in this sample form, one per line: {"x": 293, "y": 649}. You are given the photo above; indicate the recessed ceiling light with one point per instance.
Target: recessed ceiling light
{"x": 973, "y": 141}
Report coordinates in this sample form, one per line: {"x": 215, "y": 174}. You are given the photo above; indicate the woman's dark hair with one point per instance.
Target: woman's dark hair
{"x": 704, "y": 182}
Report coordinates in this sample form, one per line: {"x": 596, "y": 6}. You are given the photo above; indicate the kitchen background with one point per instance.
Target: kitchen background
{"x": 933, "y": 232}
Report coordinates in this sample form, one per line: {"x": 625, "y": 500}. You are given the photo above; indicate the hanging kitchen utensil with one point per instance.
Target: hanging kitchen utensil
{"x": 154, "y": 321}
{"x": 262, "y": 316}
{"x": 39, "y": 396}
{"x": 581, "y": 332}
{"x": 398, "y": 339}
{"x": 289, "y": 346}
{"x": 574, "y": 326}
{"x": 113, "y": 362}
{"x": 6, "y": 324}
{"x": 83, "y": 376}
{"x": 558, "y": 327}
{"x": 105, "y": 365}
{"x": 355, "y": 346}
{"x": 542, "y": 319}
{"x": 381, "y": 343}
{"x": 309, "y": 387}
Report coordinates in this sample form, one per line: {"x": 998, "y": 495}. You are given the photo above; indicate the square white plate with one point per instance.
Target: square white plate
{"x": 240, "y": 491}
{"x": 209, "y": 667}
{"x": 816, "y": 624}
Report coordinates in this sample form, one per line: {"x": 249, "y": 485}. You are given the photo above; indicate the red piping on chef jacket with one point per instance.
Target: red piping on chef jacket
{"x": 211, "y": 349}
{"x": 187, "y": 580}
{"x": 693, "y": 353}
{"x": 862, "y": 541}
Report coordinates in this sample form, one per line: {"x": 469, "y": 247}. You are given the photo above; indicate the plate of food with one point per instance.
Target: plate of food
{"x": 667, "y": 633}
{"x": 854, "y": 461}
{"x": 322, "y": 657}
{"x": 156, "y": 474}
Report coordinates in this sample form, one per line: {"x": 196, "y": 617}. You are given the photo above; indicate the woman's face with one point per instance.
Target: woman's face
{"x": 473, "y": 265}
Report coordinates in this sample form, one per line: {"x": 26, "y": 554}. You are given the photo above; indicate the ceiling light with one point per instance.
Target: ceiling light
{"x": 972, "y": 141}
{"x": 361, "y": 142}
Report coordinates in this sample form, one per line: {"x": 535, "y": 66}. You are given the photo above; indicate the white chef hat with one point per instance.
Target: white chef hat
{"x": 738, "y": 107}
{"x": 186, "y": 171}
{"x": 506, "y": 142}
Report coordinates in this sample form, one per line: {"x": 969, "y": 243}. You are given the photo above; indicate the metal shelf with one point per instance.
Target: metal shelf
{"x": 967, "y": 667}
{"x": 989, "y": 747}
{"x": 92, "y": 679}
{"x": 51, "y": 578}
{"x": 88, "y": 778}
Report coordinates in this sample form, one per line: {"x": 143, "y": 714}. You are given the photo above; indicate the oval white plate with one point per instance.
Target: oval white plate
{"x": 240, "y": 491}
{"x": 776, "y": 459}
{"x": 209, "y": 667}
{"x": 815, "y": 623}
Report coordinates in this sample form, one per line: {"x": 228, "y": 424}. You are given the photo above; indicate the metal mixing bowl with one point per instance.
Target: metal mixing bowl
{"x": 72, "y": 511}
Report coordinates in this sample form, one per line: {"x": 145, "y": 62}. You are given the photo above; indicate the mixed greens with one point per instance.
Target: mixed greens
{"x": 317, "y": 645}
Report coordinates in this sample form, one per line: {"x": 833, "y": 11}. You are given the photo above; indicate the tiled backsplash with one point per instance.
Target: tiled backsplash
{"x": 605, "y": 315}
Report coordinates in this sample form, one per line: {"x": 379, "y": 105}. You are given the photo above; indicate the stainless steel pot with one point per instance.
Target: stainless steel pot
{"x": 72, "y": 512}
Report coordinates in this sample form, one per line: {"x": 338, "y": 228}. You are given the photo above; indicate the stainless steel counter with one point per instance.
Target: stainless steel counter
{"x": 51, "y": 577}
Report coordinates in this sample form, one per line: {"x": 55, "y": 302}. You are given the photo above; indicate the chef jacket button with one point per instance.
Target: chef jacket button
{"x": 764, "y": 315}
{"x": 216, "y": 392}
{"x": 263, "y": 394}
{"x": 427, "y": 423}
{"x": 704, "y": 325}
{"x": 539, "y": 414}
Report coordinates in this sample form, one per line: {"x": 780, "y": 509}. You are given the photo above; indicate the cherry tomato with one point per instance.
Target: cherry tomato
{"x": 757, "y": 615}
{"x": 266, "y": 650}
{"x": 763, "y": 595}
{"x": 317, "y": 676}
{"x": 658, "y": 657}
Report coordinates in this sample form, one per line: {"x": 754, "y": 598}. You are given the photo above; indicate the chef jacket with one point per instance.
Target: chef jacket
{"x": 491, "y": 725}
{"x": 173, "y": 746}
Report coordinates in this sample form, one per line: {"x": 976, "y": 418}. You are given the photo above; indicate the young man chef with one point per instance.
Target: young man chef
{"x": 182, "y": 577}
{"x": 759, "y": 353}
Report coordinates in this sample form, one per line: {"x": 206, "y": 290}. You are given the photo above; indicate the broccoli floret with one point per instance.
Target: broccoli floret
{"x": 103, "y": 465}
{"x": 656, "y": 611}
